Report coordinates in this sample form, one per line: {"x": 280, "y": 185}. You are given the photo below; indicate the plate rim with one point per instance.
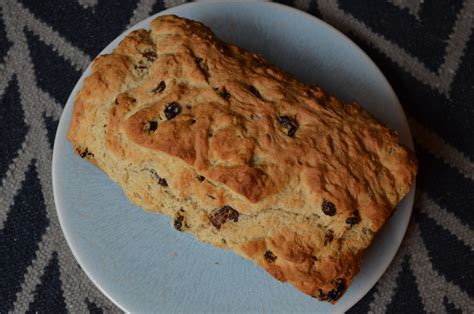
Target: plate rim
{"x": 409, "y": 197}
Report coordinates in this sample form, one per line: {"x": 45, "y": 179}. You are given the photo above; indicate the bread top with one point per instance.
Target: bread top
{"x": 259, "y": 137}
{"x": 244, "y": 155}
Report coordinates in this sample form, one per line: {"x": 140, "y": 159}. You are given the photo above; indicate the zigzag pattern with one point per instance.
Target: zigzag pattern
{"x": 424, "y": 47}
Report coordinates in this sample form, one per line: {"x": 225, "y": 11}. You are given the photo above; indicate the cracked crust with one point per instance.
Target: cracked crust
{"x": 241, "y": 154}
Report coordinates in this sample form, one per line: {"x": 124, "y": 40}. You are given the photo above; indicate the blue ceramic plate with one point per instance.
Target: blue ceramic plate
{"x": 140, "y": 262}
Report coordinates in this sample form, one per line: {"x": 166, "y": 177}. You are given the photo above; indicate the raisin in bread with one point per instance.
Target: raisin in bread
{"x": 241, "y": 154}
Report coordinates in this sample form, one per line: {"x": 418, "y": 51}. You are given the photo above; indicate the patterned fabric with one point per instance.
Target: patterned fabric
{"x": 424, "y": 47}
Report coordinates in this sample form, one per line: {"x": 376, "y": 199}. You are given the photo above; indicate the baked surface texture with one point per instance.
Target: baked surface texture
{"x": 241, "y": 154}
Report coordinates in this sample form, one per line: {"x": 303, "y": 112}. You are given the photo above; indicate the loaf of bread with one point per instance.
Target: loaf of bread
{"x": 240, "y": 154}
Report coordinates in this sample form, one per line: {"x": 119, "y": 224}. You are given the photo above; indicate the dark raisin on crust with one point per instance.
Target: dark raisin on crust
{"x": 203, "y": 68}
{"x": 292, "y": 131}
{"x": 288, "y": 123}
{"x": 150, "y": 126}
{"x": 328, "y": 208}
{"x": 284, "y": 121}
{"x": 198, "y": 61}
{"x": 172, "y": 110}
{"x": 354, "y": 219}
{"x": 224, "y": 93}
{"x": 161, "y": 181}
{"x": 314, "y": 258}
{"x": 201, "y": 178}
{"x": 153, "y": 125}
{"x": 116, "y": 101}
{"x": 254, "y": 91}
{"x": 150, "y": 56}
{"x": 328, "y": 237}
{"x": 269, "y": 256}
{"x": 220, "y": 216}
{"x": 178, "y": 222}
{"x": 84, "y": 153}
{"x": 334, "y": 294}
{"x": 158, "y": 89}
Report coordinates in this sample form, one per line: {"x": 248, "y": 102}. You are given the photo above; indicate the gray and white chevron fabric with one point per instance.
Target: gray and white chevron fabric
{"x": 424, "y": 47}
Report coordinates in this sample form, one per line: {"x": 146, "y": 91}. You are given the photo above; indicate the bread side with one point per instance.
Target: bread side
{"x": 241, "y": 154}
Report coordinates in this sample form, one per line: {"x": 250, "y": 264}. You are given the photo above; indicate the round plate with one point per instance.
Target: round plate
{"x": 140, "y": 262}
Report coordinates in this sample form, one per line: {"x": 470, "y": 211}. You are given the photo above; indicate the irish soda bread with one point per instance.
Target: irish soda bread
{"x": 241, "y": 154}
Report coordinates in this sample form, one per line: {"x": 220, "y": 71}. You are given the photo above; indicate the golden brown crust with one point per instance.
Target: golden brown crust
{"x": 241, "y": 154}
